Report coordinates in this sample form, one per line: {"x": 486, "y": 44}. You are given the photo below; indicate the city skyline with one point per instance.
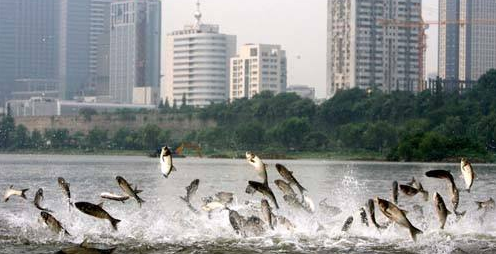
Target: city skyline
{"x": 250, "y": 22}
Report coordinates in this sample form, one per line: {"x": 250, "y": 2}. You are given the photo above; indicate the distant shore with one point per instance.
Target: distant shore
{"x": 337, "y": 156}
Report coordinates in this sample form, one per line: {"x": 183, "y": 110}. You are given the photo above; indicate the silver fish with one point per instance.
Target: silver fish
{"x": 285, "y": 187}
{"x": 12, "y": 192}
{"x": 397, "y": 215}
{"x": 260, "y": 167}
{"x": 267, "y": 213}
{"x": 371, "y": 209}
{"x": 455, "y": 195}
{"x": 53, "y": 223}
{"x": 467, "y": 173}
{"x": 114, "y": 197}
{"x": 191, "y": 190}
{"x": 442, "y": 211}
{"x": 166, "y": 166}
{"x": 265, "y": 190}
{"x": 283, "y": 221}
{"x": 83, "y": 248}
{"x": 126, "y": 187}
{"x": 288, "y": 176}
{"x": 37, "y": 200}
{"x": 97, "y": 212}
{"x": 394, "y": 193}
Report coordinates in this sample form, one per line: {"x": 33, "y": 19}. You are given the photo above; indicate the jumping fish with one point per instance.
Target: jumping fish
{"x": 65, "y": 186}
{"x": 166, "y": 166}
{"x": 267, "y": 213}
{"x": 288, "y": 176}
{"x": 114, "y": 197}
{"x": 97, "y": 212}
{"x": 397, "y": 215}
{"x": 37, "y": 200}
{"x": 394, "y": 193}
{"x": 191, "y": 190}
{"x": 332, "y": 210}
{"x": 467, "y": 173}
{"x": 371, "y": 209}
{"x": 12, "y": 192}
{"x": 455, "y": 195}
{"x": 260, "y": 167}
{"x": 442, "y": 211}
{"x": 265, "y": 190}
{"x": 285, "y": 187}
{"x": 53, "y": 223}
{"x": 126, "y": 187}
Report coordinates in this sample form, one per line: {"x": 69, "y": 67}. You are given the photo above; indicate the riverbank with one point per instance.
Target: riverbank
{"x": 335, "y": 156}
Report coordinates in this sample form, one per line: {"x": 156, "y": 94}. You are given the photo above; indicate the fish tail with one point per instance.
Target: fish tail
{"x": 66, "y": 233}
{"x": 140, "y": 201}
{"x": 459, "y": 215}
{"x": 468, "y": 190}
{"x": 114, "y": 223}
{"x": 414, "y": 232}
{"x": 23, "y": 193}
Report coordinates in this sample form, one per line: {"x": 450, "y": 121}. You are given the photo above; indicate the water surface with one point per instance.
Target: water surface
{"x": 165, "y": 225}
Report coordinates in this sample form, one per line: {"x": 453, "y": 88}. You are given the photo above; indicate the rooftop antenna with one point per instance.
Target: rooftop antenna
{"x": 198, "y": 14}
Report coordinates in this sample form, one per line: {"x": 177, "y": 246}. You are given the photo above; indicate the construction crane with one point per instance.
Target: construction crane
{"x": 422, "y": 37}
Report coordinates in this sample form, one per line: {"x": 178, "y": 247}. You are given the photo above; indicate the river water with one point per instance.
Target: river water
{"x": 165, "y": 225}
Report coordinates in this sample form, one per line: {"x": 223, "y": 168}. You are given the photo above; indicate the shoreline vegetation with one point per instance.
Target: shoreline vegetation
{"x": 330, "y": 156}
{"x": 434, "y": 125}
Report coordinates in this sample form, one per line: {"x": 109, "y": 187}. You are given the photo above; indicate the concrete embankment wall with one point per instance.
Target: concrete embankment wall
{"x": 177, "y": 124}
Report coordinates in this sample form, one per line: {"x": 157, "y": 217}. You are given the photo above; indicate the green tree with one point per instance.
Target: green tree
{"x": 7, "y": 129}
{"x": 57, "y": 138}
{"x": 97, "y": 138}
{"x": 37, "y": 141}
{"x": 291, "y": 132}
{"x": 21, "y": 137}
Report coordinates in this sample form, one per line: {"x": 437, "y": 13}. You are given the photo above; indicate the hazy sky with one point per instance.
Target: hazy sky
{"x": 298, "y": 25}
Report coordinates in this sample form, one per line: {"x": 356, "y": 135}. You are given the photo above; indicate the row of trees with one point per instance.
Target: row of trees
{"x": 429, "y": 126}
{"x": 18, "y": 137}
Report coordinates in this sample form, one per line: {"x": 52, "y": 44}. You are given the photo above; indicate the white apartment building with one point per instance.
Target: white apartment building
{"x": 196, "y": 65}
{"x": 374, "y": 43}
{"x": 257, "y": 68}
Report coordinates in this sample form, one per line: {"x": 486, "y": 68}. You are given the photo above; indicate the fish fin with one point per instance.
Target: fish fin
{"x": 114, "y": 223}
{"x": 23, "y": 193}
{"x": 448, "y": 212}
{"x": 66, "y": 233}
{"x": 100, "y": 204}
{"x": 468, "y": 190}
{"x": 166, "y": 176}
{"x": 404, "y": 211}
{"x": 414, "y": 232}
{"x": 174, "y": 168}
{"x": 12, "y": 186}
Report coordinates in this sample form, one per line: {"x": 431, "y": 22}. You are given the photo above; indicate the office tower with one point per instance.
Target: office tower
{"x": 134, "y": 47}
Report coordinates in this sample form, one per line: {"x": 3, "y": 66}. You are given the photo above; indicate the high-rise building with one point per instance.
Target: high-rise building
{"x": 374, "y": 43}
{"x": 257, "y": 68}
{"x": 50, "y": 45}
{"x": 196, "y": 64}
{"x": 134, "y": 47}
{"x": 467, "y": 39}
